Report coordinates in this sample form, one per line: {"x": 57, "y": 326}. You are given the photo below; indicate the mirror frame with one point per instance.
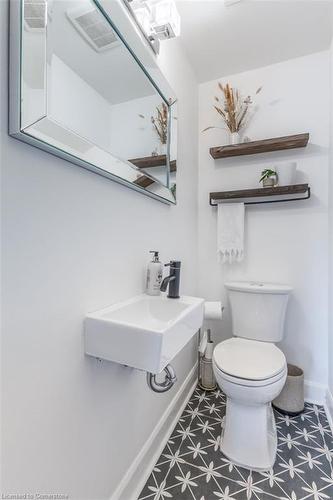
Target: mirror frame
{"x": 129, "y": 33}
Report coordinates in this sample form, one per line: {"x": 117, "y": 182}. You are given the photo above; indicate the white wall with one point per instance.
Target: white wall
{"x": 77, "y": 105}
{"x": 74, "y": 242}
{"x": 126, "y": 123}
{"x": 330, "y": 304}
{"x": 285, "y": 242}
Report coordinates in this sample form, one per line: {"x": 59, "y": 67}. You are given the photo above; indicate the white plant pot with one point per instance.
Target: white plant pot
{"x": 286, "y": 173}
{"x": 162, "y": 149}
{"x": 269, "y": 182}
{"x": 235, "y": 138}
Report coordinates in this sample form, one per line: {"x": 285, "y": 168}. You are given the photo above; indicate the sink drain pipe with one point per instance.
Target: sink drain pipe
{"x": 169, "y": 381}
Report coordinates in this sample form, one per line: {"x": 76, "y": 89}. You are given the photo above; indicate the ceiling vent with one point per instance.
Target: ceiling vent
{"x": 93, "y": 27}
{"x": 35, "y": 15}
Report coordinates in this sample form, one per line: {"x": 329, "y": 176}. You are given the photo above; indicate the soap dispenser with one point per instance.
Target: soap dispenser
{"x": 154, "y": 275}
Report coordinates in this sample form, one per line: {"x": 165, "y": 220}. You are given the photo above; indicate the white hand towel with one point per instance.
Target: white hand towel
{"x": 230, "y": 232}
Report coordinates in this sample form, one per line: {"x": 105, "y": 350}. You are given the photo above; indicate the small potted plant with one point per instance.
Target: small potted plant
{"x": 268, "y": 178}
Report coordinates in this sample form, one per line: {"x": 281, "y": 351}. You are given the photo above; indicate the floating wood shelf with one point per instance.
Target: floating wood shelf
{"x": 153, "y": 161}
{"x": 149, "y": 162}
{"x": 144, "y": 181}
{"x": 264, "y": 195}
{"x": 264, "y": 146}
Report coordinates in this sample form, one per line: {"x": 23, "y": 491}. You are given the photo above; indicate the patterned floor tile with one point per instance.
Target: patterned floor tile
{"x": 191, "y": 466}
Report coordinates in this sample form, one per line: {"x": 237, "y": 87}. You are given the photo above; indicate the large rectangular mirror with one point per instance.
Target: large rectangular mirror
{"x": 83, "y": 88}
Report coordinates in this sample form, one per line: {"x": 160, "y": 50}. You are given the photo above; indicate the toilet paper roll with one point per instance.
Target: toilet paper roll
{"x": 203, "y": 343}
{"x": 213, "y": 310}
{"x": 209, "y": 350}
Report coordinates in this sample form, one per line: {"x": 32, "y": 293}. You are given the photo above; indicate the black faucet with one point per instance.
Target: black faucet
{"x": 173, "y": 280}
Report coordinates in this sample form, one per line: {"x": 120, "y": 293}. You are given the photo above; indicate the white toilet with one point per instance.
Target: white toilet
{"x": 252, "y": 371}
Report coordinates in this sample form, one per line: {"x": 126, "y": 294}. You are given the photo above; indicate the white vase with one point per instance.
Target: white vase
{"x": 286, "y": 173}
{"x": 162, "y": 149}
{"x": 235, "y": 138}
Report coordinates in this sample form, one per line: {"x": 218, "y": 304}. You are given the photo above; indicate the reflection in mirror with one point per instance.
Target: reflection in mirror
{"x": 85, "y": 94}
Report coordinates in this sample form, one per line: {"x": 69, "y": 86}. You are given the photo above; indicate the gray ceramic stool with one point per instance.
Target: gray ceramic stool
{"x": 291, "y": 399}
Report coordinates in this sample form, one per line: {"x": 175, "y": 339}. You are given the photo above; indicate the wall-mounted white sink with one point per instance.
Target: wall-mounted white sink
{"x": 143, "y": 332}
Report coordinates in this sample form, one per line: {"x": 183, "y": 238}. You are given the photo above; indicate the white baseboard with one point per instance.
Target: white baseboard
{"x": 329, "y": 408}
{"x": 136, "y": 477}
{"x": 320, "y": 394}
{"x": 314, "y": 393}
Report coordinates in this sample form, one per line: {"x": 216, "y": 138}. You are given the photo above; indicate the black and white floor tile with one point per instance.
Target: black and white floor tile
{"x": 192, "y": 467}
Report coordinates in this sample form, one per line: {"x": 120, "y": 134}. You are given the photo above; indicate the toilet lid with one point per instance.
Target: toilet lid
{"x": 249, "y": 359}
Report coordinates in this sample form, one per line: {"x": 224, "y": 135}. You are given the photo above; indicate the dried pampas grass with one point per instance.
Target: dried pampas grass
{"x": 160, "y": 122}
{"x": 232, "y": 108}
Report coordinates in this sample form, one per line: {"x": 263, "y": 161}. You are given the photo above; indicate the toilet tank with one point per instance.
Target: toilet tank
{"x": 258, "y": 310}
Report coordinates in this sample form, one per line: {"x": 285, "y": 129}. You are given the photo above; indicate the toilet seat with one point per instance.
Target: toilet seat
{"x": 250, "y": 383}
{"x": 249, "y": 362}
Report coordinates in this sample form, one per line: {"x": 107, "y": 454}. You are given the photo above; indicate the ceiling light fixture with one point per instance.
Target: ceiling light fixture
{"x": 157, "y": 17}
{"x": 142, "y": 12}
{"x": 165, "y": 18}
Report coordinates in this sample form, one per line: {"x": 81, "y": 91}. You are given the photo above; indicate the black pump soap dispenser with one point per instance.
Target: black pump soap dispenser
{"x": 154, "y": 275}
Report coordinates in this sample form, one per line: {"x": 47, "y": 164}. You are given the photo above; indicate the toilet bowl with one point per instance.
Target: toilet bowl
{"x": 251, "y": 374}
{"x": 252, "y": 371}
